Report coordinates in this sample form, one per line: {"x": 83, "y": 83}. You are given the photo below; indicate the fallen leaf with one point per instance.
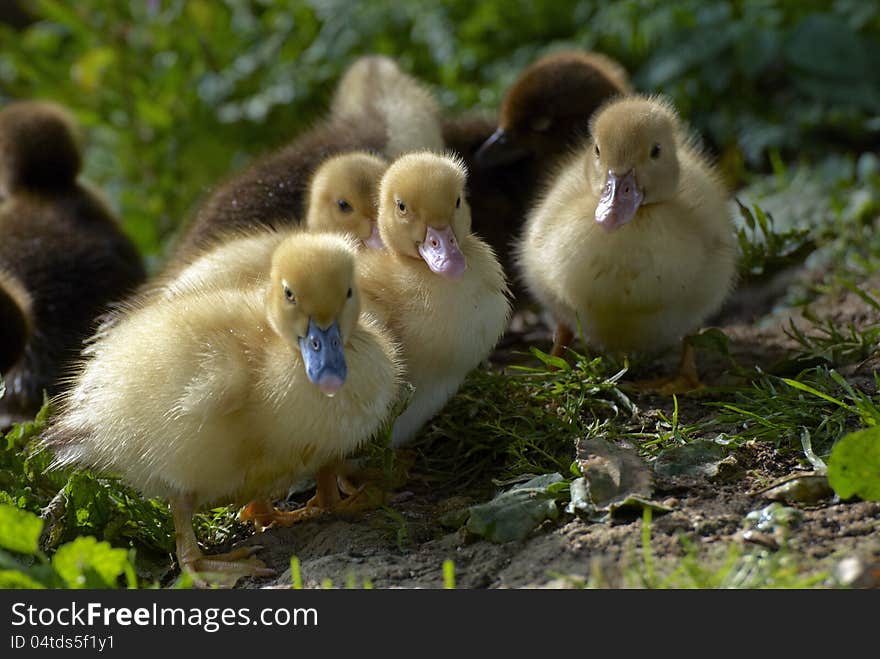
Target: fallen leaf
{"x": 854, "y": 465}
{"x": 699, "y": 458}
{"x": 513, "y": 514}
{"x": 806, "y": 488}
{"x": 613, "y": 473}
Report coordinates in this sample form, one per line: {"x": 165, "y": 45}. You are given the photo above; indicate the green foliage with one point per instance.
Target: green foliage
{"x": 82, "y": 563}
{"x": 515, "y": 513}
{"x": 764, "y": 251}
{"x": 854, "y": 465}
{"x": 24, "y": 482}
{"x": 778, "y": 409}
{"x": 826, "y": 342}
{"x": 19, "y": 530}
{"x": 87, "y": 563}
{"x": 79, "y": 504}
{"x": 521, "y": 422}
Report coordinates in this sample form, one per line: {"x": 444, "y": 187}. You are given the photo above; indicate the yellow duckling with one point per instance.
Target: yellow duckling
{"x": 437, "y": 286}
{"x": 375, "y": 89}
{"x": 343, "y": 195}
{"x": 231, "y": 394}
{"x": 633, "y": 238}
{"x": 342, "y": 199}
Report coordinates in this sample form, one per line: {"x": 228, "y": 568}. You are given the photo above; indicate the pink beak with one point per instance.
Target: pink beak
{"x": 375, "y": 240}
{"x": 619, "y": 201}
{"x": 440, "y": 251}
{"x": 330, "y": 384}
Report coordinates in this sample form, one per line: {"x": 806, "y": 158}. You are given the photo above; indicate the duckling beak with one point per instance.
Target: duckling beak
{"x": 324, "y": 358}
{"x": 619, "y": 201}
{"x": 499, "y": 149}
{"x": 440, "y": 251}
{"x": 375, "y": 240}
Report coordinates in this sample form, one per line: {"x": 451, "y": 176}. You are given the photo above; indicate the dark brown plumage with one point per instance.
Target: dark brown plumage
{"x": 38, "y": 149}
{"x": 498, "y": 196}
{"x": 63, "y": 257}
{"x": 546, "y": 112}
{"x": 273, "y": 191}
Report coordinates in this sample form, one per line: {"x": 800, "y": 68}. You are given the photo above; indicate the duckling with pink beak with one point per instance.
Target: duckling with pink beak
{"x": 437, "y": 286}
{"x": 620, "y": 199}
{"x": 440, "y": 251}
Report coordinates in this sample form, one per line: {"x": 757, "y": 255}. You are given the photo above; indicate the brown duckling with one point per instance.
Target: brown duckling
{"x": 633, "y": 240}
{"x": 547, "y": 110}
{"x": 63, "y": 257}
{"x": 231, "y": 393}
{"x": 273, "y": 191}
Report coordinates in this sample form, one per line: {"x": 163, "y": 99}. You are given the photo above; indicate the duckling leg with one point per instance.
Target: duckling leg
{"x": 366, "y": 496}
{"x": 685, "y": 380}
{"x": 562, "y": 337}
{"x": 263, "y": 514}
{"x": 234, "y": 564}
{"x": 330, "y": 485}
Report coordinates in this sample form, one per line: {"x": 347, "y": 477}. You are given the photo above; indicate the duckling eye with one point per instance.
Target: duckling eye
{"x": 348, "y": 295}
{"x": 401, "y": 207}
{"x": 655, "y": 151}
{"x": 288, "y": 294}
{"x": 344, "y": 206}
{"x": 458, "y": 202}
{"x": 597, "y": 150}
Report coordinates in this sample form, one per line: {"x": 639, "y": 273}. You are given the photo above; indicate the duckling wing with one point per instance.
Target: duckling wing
{"x": 219, "y": 385}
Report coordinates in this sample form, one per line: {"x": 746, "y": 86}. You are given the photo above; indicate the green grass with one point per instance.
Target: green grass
{"x": 503, "y": 425}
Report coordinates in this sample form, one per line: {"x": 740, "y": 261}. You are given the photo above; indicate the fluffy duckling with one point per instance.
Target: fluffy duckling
{"x": 231, "y": 394}
{"x": 633, "y": 239}
{"x": 238, "y": 260}
{"x": 63, "y": 257}
{"x": 342, "y": 199}
{"x": 375, "y": 87}
{"x": 273, "y": 191}
{"x": 437, "y": 286}
{"x": 547, "y": 109}
{"x": 343, "y": 195}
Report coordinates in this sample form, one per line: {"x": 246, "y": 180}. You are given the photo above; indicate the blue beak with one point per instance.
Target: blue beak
{"x": 324, "y": 358}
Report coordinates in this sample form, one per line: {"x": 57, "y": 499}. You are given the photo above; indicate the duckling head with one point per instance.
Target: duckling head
{"x": 549, "y": 106}
{"x": 343, "y": 196}
{"x": 423, "y": 213}
{"x": 313, "y": 303}
{"x": 38, "y": 147}
{"x": 632, "y": 159}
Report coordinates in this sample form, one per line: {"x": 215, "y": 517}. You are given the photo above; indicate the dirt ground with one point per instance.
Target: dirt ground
{"x": 407, "y": 551}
